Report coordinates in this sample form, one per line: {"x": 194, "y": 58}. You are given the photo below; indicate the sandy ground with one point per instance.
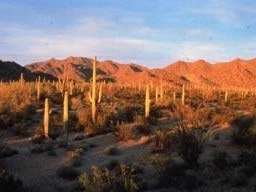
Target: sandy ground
{"x": 38, "y": 171}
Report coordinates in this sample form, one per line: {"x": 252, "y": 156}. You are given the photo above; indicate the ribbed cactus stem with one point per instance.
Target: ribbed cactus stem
{"x": 38, "y": 89}
{"x": 183, "y": 95}
{"x": 46, "y": 118}
{"x": 65, "y": 115}
{"x": 147, "y": 102}
{"x": 226, "y": 96}
{"x": 71, "y": 87}
{"x": 174, "y": 97}
{"x": 100, "y": 93}
{"x": 93, "y": 95}
{"x": 21, "y": 79}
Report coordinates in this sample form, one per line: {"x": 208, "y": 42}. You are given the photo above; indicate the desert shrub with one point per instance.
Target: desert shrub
{"x": 68, "y": 172}
{"x": 101, "y": 125}
{"x": 190, "y": 142}
{"x": 52, "y": 153}
{"x": 178, "y": 175}
{"x": 76, "y": 103}
{"x": 162, "y": 140}
{"x": 84, "y": 116}
{"x": 221, "y": 160}
{"x": 39, "y": 138}
{"x": 8, "y": 183}
{"x": 128, "y": 113}
{"x": 77, "y": 161}
{"x": 244, "y": 130}
{"x": 112, "y": 151}
{"x": 156, "y": 112}
{"x": 122, "y": 179}
{"x": 41, "y": 148}
{"x": 16, "y": 102}
{"x": 112, "y": 164}
{"x": 160, "y": 161}
{"x": 49, "y": 90}
{"x": 143, "y": 128}
{"x": 6, "y": 151}
{"x": 125, "y": 132}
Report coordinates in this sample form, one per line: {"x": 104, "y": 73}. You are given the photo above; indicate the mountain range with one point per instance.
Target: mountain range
{"x": 235, "y": 73}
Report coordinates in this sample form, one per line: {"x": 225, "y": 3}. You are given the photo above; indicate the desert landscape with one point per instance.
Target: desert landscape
{"x": 80, "y": 124}
{"x": 94, "y": 123}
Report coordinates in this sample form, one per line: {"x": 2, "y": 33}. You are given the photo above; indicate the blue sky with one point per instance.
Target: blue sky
{"x": 153, "y": 33}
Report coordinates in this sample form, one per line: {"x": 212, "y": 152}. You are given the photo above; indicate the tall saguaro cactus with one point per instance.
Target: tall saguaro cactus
{"x": 65, "y": 115}
{"x": 46, "y": 118}
{"x": 38, "y": 89}
{"x": 183, "y": 95}
{"x": 92, "y": 95}
{"x": 226, "y": 96}
{"x": 147, "y": 102}
{"x": 21, "y": 79}
{"x": 174, "y": 97}
{"x": 100, "y": 93}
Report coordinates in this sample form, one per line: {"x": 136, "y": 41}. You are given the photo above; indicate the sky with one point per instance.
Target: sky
{"x": 152, "y": 33}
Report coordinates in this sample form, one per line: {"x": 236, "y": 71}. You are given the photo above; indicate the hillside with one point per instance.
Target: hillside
{"x": 238, "y": 72}
{"x": 80, "y": 69}
{"x": 11, "y": 71}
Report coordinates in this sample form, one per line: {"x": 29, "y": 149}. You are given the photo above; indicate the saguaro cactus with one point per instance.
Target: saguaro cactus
{"x": 183, "y": 95}
{"x": 46, "y": 118}
{"x": 226, "y": 96}
{"x": 100, "y": 93}
{"x": 174, "y": 97}
{"x": 38, "y": 89}
{"x": 147, "y": 102}
{"x": 92, "y": 95}
{"x": 21, "y": 79}
{"x": 65, "y": 115}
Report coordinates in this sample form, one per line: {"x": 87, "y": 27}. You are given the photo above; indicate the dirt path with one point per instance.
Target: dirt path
{"x": 39, "y": 170}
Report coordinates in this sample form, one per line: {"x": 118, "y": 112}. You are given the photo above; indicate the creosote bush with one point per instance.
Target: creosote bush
{"x": 244, "y": 130}
{"x": 122, "y": 178}
{"x": 190, "y": 142}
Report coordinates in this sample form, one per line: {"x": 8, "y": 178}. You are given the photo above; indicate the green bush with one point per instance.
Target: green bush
{"x": 121, "y": 179}
{"x": 244, "y": 132}
{"x": 190, "y": 142}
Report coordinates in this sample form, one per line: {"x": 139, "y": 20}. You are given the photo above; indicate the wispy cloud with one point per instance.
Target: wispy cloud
{"x": 157, "y": 37}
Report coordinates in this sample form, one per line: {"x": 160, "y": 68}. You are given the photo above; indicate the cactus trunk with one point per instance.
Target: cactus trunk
{"x": 93, "y": 94}
{"x": 174, "y": 97}
{"x": 183, "y": 95}
{"x": 100, "y": 93}
{"x": 46, "y": 118}
{"x": 226, "y": 96}
{"x": 147, "y": 102}
{"x": 38, "y": 90}
{"x": 65, "y": 116}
